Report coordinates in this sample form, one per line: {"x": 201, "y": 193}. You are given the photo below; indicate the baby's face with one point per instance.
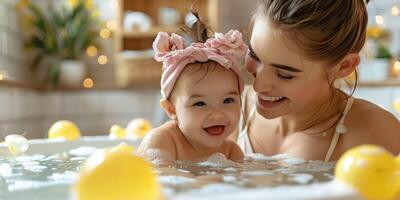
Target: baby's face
{"x": 207, "y": 104}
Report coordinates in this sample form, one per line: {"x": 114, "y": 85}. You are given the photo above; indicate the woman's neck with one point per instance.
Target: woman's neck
{"x": 317, "y": 119}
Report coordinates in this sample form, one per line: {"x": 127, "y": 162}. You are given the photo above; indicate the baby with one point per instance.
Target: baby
{"x": 201, "y": 86}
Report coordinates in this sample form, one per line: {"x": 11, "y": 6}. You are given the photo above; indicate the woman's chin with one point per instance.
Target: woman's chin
{"x": 267, "y": 114}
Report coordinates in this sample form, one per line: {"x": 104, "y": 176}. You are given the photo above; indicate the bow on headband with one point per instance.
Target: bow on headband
{"x": 171, "y": 51}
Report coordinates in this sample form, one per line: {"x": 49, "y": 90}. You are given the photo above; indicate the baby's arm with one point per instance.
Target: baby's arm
{"x": 235, "y": 153}
{"x": 158, "y": 147}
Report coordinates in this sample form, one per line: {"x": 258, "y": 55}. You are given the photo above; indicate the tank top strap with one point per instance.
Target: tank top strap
{"x": 243, "y": 139}
{"x": 340, "y": 129}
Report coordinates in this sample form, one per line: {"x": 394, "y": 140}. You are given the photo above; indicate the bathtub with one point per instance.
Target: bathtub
{"x": 224, "y": 190}
{"x": 45, "y": 146}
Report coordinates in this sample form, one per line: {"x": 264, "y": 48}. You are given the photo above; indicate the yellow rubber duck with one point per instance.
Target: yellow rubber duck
{"x": 64, "y": 129}
{"x": 117, "y": 132}
{"x": 116, "y": 174}
{"x": 138, "y": 127}
{"x": 370, "y": 169}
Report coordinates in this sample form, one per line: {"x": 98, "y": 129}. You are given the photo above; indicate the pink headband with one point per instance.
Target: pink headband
{"x": 171, "y": 51}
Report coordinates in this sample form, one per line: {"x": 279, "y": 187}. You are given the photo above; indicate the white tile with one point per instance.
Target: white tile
{"x": 124, "y": 102}
{"x": 87, "y": 124}
{"x": 52, "y": 102}
{"x": 88, "y": 102}
{"x": 6, "y": 103}
{"x": 6, "y": 67}
{"x": 30, "y": 128}
{"x": 13, "y": 46}
{"x": 27, "y": 103}
{"x": 123, "y": 119}
{"x": 38, "y": 104}
{"x": 3, "y": 14}
{"x": 12, "y": 21}
{"x": 2, "y": 40}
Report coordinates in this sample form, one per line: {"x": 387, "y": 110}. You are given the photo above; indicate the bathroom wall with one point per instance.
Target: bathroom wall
{"x": 12, "y": 61}
{"x": 94, "y": 111}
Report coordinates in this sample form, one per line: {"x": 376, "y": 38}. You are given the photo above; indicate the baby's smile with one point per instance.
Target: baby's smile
{"x": 215, "y": 130}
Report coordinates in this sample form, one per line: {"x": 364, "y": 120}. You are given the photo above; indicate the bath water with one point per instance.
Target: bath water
{"x": 50, "y": 177}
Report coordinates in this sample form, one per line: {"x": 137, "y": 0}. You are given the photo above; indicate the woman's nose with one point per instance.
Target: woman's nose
{"x": 263, "y": 81}
{"x": 251, "y": 65}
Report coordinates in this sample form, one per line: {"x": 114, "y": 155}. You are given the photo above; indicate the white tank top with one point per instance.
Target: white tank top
{"x": 244, "y": 142}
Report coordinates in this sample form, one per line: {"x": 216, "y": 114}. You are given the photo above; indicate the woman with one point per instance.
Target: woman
{"x": 298, "y": 49}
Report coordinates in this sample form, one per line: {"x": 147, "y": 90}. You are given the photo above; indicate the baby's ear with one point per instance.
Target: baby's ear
{"x": 168, "y": 107}
{"x": 347, "y": 65}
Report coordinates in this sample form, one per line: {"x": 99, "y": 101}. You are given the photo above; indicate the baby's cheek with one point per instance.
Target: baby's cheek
{"x": 234, "y": 116}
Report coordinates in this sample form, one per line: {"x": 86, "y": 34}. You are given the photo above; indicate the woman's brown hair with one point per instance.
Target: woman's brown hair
{"x": 325, "y": 30}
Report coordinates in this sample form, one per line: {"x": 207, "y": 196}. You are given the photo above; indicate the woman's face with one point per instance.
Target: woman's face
{"x": 286, "y": 83}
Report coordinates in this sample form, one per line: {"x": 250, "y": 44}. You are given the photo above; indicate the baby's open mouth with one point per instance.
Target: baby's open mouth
{"x": 215, "y": 130}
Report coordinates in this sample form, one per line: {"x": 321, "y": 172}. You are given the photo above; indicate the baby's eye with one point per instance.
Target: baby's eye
{"x": 229, "y": 100}
{"x": 281, "y": 76}
{"x": 199, "y": 104}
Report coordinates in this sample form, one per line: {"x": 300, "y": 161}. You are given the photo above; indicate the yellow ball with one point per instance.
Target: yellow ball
{"x": 64, "y": 129}
{"x": 123, "y": 147}
{"x": 398, "y": 161}
{"x": 138, "y": 127}
{"x": 117, "y": 132}
{"x": 116, "y": 175}
{"x": 396, "y": 105}
{"x": 371, "y": 170}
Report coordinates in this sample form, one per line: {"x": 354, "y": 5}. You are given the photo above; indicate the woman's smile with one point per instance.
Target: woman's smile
{"x": 270, "y": 102}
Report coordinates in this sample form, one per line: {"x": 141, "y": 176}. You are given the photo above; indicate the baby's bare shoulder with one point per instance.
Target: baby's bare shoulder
{"x": 158, "y": 138}
{"x": 235, "y": 152}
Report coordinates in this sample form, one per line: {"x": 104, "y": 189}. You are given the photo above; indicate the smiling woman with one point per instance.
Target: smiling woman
{"x": 298, "y": 49}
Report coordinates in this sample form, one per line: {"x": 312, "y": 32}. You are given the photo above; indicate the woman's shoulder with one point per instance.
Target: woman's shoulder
{"x": 372, "y": 113}
{"x": 373, "y": 124}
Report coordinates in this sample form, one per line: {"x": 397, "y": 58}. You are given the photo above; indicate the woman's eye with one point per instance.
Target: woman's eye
{"x": 281, "y": 76}
{"x": 229, "y": 100}
{"x": 253, "y": 56}
{"x": 200, "y": 103}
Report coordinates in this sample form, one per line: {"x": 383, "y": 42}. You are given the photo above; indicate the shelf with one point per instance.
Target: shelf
{"x": 134, "y": 85}
{"x": 152, "y": 33}
{"x": 385, "y": 83}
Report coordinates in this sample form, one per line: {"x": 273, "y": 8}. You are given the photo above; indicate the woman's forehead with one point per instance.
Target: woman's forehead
{"x": 272, "y": 46}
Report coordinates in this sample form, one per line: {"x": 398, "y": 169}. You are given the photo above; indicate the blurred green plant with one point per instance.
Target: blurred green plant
{"x": 383, "y": 52}
{"x": 381, "y": 38}
{"x": 59, "y": 34}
